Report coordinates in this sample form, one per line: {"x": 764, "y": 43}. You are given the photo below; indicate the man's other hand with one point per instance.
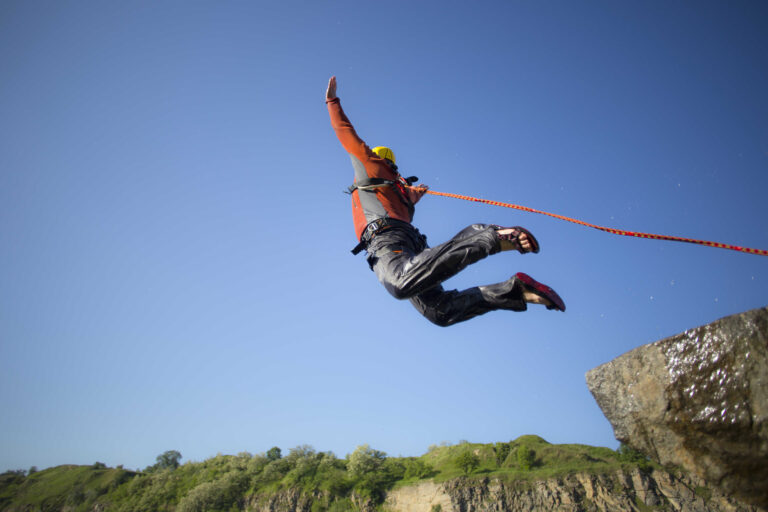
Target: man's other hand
{"x": 417, "y": 192}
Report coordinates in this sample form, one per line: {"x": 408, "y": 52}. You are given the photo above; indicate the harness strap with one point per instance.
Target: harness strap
{"x": 373, "y": 229}
{"x": 371, "y": 183}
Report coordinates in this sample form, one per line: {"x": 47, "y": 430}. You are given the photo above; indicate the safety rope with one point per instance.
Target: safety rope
{"x": 761, "y": 252}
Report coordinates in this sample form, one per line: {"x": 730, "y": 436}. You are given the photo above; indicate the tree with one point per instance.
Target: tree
{"x": 525, "y": 457}
{"x": 365, "y": 460}
{"x": 629, "y": 455}
{"x": 467, "y": 461}
{"x": 274, "y": 453}
{"x": 501, "y": 450}
{"x": 168, "y": 460}
{"x": 417, "y": 468}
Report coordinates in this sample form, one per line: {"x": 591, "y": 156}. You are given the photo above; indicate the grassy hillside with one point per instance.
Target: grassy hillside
{"x": 502, "y": 460}
{"x": 55, "y": 488}
{"x": 225, "y": 482}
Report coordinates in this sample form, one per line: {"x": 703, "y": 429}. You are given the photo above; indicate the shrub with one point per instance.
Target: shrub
{"x": 372, "y": 485}
{"x": 334, "y": 481}
{"x": 257, "y": 464}
{"x": 168, "y": 460}
{"x": 525, "y": 457}
{"x": 221, "y": 494}
{"x": 364, "y": 460}
{"x": 393, "y": 469}
{"x": 274, "y": 453}
{"x": 629, "y": 455}
{"x": 501, "y": 451}
{"x": 343, "y": 505}
{"x": 417, "y": 468}
{"x": 276, "y": 469}
{"x": 467, "y": 461}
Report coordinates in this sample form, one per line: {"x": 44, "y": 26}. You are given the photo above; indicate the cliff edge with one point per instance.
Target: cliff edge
{"x": 698, "y": 400}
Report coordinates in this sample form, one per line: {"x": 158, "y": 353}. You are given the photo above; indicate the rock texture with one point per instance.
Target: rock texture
{"x": 618, "y": 492}
{"x": 698, "y": 400}
{"x": 292, "y": 500}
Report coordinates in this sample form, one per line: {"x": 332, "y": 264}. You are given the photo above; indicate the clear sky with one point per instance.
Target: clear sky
{"x": 174, "y": 241}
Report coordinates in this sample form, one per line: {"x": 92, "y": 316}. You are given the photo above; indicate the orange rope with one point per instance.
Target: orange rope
{"x": 761, "y": 252}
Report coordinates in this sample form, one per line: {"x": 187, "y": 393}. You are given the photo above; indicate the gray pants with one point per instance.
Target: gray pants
{"x": 409, "y": 269}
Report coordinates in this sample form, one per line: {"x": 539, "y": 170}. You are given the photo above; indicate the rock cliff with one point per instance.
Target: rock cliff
{"x": 698, "y": 400}
{"x": 617, "y": 492}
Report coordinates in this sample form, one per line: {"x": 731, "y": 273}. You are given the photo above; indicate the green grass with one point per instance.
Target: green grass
{"x": 53, "y": 488}
{"x": 550, "y": 460}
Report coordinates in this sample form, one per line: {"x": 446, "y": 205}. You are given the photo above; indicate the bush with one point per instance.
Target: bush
{"x": 221, "y": 494}
{"x": 342, "y": 505}
{"x": 257, "y": 464}
{"x": 168, "y": 460}
{"x": 501, "y": 451}
{"x": 274, "y": 453}
{"x": 372, "y": 485}
{"x": 276, "y": 469}
{"x": 393, "y": 469}
{"x": 365, "y": 460}
{"x": 629, "y": 455}
{"x": 417, "y": 468}
{"x": 304, "y": 469}
{"x": 334, "y": 481}
{"x": 525, "y": 457}
{"x": 467, "y": 461}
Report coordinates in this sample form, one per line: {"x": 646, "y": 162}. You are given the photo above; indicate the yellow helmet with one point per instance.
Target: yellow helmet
{"x": 384, "y": 152}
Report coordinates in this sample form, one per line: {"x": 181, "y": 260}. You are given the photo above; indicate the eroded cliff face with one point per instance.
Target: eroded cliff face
{"x": 697, "y": 400}
{"x": 616, "y": 492}
{"x": 289, "y": 500}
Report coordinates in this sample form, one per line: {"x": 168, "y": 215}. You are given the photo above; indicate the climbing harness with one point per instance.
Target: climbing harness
{"x": 761, "y": 252}
{"x": 376, "y": 227}
{"x": 372, "y": 183}
{"x": 400, "y": 184}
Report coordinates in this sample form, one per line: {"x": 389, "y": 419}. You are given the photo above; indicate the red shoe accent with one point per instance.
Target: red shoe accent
{"x": 542, "y": 290}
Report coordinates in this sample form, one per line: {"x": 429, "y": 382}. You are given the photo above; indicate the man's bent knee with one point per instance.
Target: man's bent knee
{"x": 398, "y": 290}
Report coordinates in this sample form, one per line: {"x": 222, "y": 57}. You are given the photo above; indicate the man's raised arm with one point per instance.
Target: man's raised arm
{"x": 343, "y": 127}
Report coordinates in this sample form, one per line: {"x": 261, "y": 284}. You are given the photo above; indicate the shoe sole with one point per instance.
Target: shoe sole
{"x": 542, "y": 290}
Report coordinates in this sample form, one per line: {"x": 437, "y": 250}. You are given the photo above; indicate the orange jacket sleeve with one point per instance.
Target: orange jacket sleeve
{"x": 346, "y": 132}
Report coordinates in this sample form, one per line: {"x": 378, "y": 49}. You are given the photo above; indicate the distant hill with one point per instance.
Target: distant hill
{"x": 309, "y": 481}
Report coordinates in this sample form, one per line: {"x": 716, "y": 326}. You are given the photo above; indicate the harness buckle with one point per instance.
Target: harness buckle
{"x": 372, "y": 229}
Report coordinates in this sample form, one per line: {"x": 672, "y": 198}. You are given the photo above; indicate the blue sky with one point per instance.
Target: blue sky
{"x": 175, "y": 269}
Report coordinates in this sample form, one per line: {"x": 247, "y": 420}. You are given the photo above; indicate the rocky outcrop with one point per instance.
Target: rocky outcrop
{"x": 698, "y": 400}
{"x": 296, "y": 500}
{"x": 293, "y": 500}
{"x": 617, "y": 492}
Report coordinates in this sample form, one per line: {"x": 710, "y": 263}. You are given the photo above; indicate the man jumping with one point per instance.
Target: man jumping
{"x": 382, "y": 209}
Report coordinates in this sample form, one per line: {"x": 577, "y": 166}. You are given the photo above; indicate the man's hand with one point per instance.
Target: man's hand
{"x": 416, "y": 193}
{"x": 331, "y": 92}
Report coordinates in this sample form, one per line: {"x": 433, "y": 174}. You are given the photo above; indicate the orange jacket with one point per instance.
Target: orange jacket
{"x": 369, "y": 205}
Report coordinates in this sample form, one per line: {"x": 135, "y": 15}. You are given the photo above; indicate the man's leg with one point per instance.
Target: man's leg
{"x": 446, "y": 308}
{"x": 406, "y": 270}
